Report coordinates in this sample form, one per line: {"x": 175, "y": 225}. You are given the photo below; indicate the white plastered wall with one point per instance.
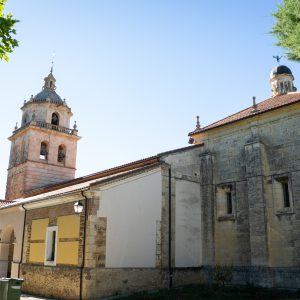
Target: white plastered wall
{"x": 187, "y": 224}
{"x": 132, "y": 208}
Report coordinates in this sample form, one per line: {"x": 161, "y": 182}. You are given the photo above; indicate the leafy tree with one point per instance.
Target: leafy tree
{"x": 7, "y": 23}
{"x": 287, "y": 28}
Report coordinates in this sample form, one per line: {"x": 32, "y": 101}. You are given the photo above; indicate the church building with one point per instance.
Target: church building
{"x": 231, "y": 199}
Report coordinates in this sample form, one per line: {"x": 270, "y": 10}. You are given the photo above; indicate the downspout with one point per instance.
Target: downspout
{"x": 83, "y": 245}
{"x": 23, "y": 237}
{"x": 170, "y": 233}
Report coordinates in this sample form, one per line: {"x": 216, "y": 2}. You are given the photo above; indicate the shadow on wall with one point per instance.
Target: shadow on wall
{"x": 7, "y": 245}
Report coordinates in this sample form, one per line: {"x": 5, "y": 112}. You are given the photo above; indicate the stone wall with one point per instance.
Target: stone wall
{"x": 121, "y": 281}
{"x": 108, "y": 282}
{"x": 54, "y": 282}
{"x": 252, "y": 157}
{"x": 279, "y": 277}
{"x": 187, "y": 234}
{"x": 112, "y": 282}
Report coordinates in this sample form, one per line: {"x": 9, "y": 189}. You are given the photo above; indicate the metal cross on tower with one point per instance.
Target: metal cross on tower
{"x": 277, "y": 57}
{"x": 52, "y": 62}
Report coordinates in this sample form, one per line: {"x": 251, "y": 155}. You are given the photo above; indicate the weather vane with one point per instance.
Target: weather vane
{"x": 52, "y": 62}
{"x": 277, "y": 58}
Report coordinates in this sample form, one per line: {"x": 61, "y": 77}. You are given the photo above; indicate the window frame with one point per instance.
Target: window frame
{"x": 64, "y": 152}
{"x": 51, "y": 245}
{"x": 45, "y": 156}
{"x": 25, "y": 118}
{"x": 58, "y": 118}
{"x": 225, "y": 202}
{"x": 229, "y": 202}
{"x": 282, "y": 194}
{"x": 286, "y": 194}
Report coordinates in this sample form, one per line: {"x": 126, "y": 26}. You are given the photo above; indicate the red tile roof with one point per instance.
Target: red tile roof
{"x": 4, "y": 203}
{"x": 262, "y": 107}
{"x": 109, "y": 172}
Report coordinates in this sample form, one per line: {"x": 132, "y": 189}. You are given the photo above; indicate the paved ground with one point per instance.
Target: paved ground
{"x": 28, "y": 297}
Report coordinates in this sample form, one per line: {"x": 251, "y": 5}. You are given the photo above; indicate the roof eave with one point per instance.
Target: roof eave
{"x": 113, "y": 171}
{"x": 205, "y": 129}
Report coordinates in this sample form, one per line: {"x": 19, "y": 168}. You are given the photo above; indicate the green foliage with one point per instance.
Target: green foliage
{"x": 7, "y": 23}
{"x": 206, "y": 292}
{"x": 222, "y": 274}
{"x": 287, "y": 28}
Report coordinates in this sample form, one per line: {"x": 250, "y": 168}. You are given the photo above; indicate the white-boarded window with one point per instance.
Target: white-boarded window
{"x": 51, "y": 246}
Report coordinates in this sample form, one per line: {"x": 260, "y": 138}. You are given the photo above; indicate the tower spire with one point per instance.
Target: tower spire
{"x": 198, "y": 126}
{"x": 52, "y": 62}
{"x": 50, "y": 80}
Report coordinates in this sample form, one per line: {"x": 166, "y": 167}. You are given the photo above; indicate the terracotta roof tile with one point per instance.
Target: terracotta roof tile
{"x": 76, "y": 187}
{"x": 92, "y": 177}
{"x": 262, "y": 107}
{"x": 4, "y": 203}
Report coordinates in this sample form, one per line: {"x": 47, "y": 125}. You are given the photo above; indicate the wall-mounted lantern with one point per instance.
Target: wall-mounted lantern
{"x": 78, "y": 207}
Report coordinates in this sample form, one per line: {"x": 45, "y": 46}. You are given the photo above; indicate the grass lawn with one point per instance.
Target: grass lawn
{"x": 216, "y": 293}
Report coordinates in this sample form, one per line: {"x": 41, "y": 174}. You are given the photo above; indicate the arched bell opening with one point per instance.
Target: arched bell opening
{"x": 61, "y": 154}
{"x": 55, "y": 119}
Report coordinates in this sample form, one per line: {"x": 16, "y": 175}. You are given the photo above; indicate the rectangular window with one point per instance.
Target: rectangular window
{"x": 286, "y": 195}
{"x": 282, "y": 194}
{"x": 43, "y": 151}
{"x": 229, "y": 202}
{"x": 51, "y": 245}
{"x": 225, "y": 202}
{"x": 53, "y": 242}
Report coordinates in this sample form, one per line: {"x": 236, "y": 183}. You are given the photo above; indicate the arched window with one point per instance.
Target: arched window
{"x": 281, "y": 87}
{"x": 61, "y": 155}
{"x": 55, "y": 119}
{"x": 25, "y": 119}
{"x": 43, "y": 151}
{"x": 11, "y": 253}
{"x": 8, "y": 240}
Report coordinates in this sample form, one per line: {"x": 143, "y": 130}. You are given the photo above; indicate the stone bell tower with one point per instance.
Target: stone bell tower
{"x": 281, "y": 80}
{"x": 43, "y": 148}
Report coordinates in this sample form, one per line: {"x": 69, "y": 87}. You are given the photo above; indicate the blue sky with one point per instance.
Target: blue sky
{"x": 137, "y": 72}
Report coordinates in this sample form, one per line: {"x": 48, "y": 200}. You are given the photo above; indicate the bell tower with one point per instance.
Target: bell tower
{"x": 43, "y": 148}
{"x": 281, "y": 80}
